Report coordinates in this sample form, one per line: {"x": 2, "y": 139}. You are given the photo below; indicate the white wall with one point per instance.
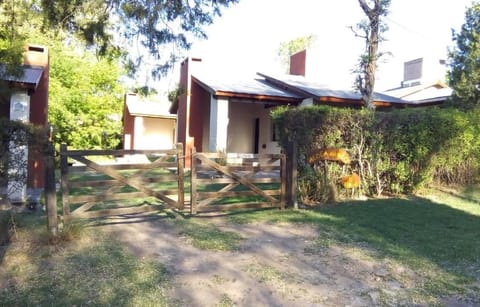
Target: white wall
{"x": 154, "y": 133}
{"x": 241, "y": 128}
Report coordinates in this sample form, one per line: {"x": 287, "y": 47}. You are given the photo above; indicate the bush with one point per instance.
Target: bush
{"x": 398, "y": 151}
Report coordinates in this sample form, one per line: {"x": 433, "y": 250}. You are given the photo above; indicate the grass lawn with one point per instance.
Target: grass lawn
{"x": 437, "y": 235}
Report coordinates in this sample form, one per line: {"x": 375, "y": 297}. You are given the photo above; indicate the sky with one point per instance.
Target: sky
{"x": 246, "y": 38}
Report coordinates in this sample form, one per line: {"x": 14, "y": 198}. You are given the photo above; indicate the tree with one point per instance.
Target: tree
{"x": 85, "y": 95}
{"x": 293, "y": 46}
{"x": 464, "y": 64}
{"x": 371, "y": 30}
{"x": 86, "y": 100}
{"x": 113, "y": 26}
{"x": 11, "y": 39}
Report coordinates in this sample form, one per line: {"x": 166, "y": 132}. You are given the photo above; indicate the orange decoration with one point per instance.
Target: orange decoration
{"x": 351, "y": 182}
{"x": 333, "y": 154}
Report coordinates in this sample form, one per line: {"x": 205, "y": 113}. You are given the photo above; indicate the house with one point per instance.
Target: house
{"x": 423, "y": 83}
{"x": 25, "y": 98}
{"x": 214, "y": 114}
{"x": 147, "y": 124}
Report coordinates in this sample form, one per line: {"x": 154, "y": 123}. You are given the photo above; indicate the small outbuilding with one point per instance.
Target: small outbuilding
{"x": 147, "y": 124}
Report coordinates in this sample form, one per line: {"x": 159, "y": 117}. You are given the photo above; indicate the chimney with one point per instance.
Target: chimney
{"x": 37, "y": 56}
{"x": 412, "y": 71}
{"x": 298, "y": 63}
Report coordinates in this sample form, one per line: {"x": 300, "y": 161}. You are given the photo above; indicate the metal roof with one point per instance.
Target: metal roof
{"x": 320, "y": 90}
{"x": 30, "y": 77}
{"x": 254, "y": 86}
{"x": 422, "y": 93}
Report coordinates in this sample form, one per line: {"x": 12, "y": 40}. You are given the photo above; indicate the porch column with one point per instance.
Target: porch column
{"x": 218, "y": 125}
{"x": 18, "y": 150}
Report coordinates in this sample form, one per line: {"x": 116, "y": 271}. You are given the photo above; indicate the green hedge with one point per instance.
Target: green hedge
{"x": 398, "y": 151}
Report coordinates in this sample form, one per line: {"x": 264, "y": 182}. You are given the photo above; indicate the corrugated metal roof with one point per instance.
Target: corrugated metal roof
{"x": 253, "y": 86}
{"x": 321, "y": 90}
{"x": 31, "y": 76}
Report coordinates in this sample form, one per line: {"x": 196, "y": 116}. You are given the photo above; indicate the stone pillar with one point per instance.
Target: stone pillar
{"x": 18, "y": 148}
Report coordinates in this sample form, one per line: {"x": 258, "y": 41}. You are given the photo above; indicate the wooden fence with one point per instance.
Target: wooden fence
{"x": 258, "y": 180}
{"x": 111, "y": 189}
{"x": 218, "y": 182}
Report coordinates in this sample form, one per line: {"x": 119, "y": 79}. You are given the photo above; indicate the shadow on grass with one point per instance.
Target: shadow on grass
{"x": 94, "y": 272}
{"x": 400, "y": 227}
{"x": 406, "y": 229}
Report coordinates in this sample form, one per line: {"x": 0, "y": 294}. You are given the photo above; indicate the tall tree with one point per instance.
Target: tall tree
{"x": 293, "y": 46}
{"x": 464, "y": 63}
{"x": 85, "y": 95}
{"x": 11, "y": 39}
{"x": 371, "y": 30}
{"x": 115, "y": 26}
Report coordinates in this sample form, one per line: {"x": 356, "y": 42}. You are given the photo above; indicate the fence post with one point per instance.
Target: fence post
{"x": 181, "y": 176}
{"x": 64, "y": 180}
{"x": 283, "y": 179}
{"x": 50, "y": 190}
{"x": 291, "y": 174}
{"x": 193, "y": 182}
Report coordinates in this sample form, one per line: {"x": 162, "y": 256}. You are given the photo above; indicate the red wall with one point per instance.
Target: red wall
{"x": 38, "y": 56}
{"x": 128, "y": 120}
{"x": 298, "y": 63}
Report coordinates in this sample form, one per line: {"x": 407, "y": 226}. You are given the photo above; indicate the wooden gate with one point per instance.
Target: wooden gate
{"x": 143, "y": 181}
{"x": 220, "y": 181}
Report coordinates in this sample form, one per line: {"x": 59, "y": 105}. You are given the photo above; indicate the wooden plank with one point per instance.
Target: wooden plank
{"x": 135, "y": 183}
{"x": 235, "y": 206}
{"x": 243, "y": 168}
{"x": 116, "y": 211}
{"x": 114, "y": 182}
{"x": 206, "y": 181}
{"x": 215, "y": 196}
{"x": 119, "y": 152}
{"x": 105, "y": 197}
{"x": 94, "y": 183}
{"x": 220, "y": 194}
{"x": 82, "y": 168}
{"x": 240, "y": 179}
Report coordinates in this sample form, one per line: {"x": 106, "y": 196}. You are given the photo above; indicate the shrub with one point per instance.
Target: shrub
{"x": 398, "y": 151}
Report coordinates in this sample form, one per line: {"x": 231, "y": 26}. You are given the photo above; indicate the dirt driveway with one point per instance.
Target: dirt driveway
{"x": 277, "y": 265}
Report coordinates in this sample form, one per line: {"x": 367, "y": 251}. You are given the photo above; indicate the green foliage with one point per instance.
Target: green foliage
{"x": 293, "y": 46}
{"x": 464, "y": 74}
{"x": 11, "y": 39}
{"x": 395, "y": 152}
{"x": 113, "y": 27}
{"x": 86, "y": 100}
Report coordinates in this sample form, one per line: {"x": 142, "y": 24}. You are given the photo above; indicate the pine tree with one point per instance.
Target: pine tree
{"x": 464, "y": 61}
